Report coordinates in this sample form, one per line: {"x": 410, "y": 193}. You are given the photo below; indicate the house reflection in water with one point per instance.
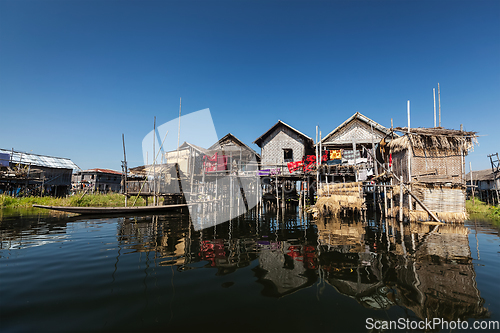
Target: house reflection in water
{"x": 430, "y": 273}
{"x": 424, "y": 268}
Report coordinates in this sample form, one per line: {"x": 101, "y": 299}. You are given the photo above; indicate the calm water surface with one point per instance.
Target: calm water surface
{"x": 260, "y": 272}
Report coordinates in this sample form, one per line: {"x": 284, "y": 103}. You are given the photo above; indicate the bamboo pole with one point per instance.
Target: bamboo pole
{"x": 385, "y": 201}
{"x": 439, "y": 102}
{"x": 140, "y": 190}
{"x": 154, "y": 166}
{"x": 434, "y": 96}
{"x": 126, "y": 171}
{"x": 400, "y": 179}
{"x": 471, "y": 182}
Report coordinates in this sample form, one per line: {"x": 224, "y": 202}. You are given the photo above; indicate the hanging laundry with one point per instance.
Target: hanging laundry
{"x": 325, "y": 156}
{"x": 309, "y": 163}
{"x": 294, "y": 166}
{"x": 349, "y": 154}
{"x": 264, "y": 172}
{"x": 335, "y": 154}
{"x": 275, "y": 171}
{"x": 362, "y": 175}
{"x": 210, "y": 163}
{"x": 221, "y": 162}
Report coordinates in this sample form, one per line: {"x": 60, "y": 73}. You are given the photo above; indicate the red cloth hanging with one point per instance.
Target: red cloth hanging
{"x": 309, "y": 162}
{"x": 221, "y": 162}
{"x": 324, "y": 157}
{"x": 210, "y": 163}
{"x": 294, "y": 166}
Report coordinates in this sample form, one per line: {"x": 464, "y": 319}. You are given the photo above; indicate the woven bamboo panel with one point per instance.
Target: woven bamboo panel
{"x": 442, "y": 199}
{"x": 282, "y": 138}
{"x": 448, "y": 163}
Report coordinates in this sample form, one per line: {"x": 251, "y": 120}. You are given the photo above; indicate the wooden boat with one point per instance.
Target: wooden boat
{"x": 114, "y": 210}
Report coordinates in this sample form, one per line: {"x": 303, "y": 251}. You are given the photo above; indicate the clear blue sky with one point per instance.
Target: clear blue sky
{"x": 75, "y": 75}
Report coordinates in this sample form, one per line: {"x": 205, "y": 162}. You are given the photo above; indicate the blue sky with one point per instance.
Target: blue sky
{"x": 75, "y": 75}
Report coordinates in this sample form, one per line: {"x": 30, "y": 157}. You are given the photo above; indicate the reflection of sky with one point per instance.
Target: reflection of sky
{"x": 33, "y": 241}
{"x": 45, "y": 233}
{"x": 196, "y": 128}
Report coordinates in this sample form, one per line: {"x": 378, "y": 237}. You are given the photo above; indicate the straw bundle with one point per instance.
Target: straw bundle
{"x": 435, "y": 141}
{"x": 351, "y": 189}
{"x": 334, "y": 204}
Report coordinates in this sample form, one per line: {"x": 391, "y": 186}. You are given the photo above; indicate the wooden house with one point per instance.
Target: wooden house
{"x": 486, "y": 185}
{"x": 29, "y": 174}
{"x": 431, "y": 162}
{"x": 97, "y": 180}
{"x": 189, "y": 157}
{"x": 230, "y": 154}
{"x": 351, "y": 140}
{"x": 282, "y": 144}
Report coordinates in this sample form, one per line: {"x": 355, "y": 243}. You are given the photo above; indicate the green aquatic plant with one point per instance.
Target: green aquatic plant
{"x": 479, "y": 209}
{"x": 88, "y": 200}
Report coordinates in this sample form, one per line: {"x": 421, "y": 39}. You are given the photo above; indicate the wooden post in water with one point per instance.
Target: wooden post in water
{"x": 471, "y": 182}
{"x": 300, "y": 195}
{"x": 385, "y": 201}
{"x": 154, "y": 161}
{"x": 410, "y": 152}
{"x": 401, "y": 199}
{"x": 283, "y": 193}
{"x": 125, "y": 170}
{"x": 277, "y": 195}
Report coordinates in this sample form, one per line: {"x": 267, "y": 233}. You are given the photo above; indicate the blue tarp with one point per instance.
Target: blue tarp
{"x": 4, "y": 160}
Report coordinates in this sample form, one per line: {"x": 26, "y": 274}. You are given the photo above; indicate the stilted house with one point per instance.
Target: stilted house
{"x": 431, "y": 162}
{"x": 486, "y": 185}
{"x": 282, "y": 144}
{"x": 231, "y": 155}
{"x": 189, "y": 157}
{"x": 32, "y": 174}
{"x": 97, "y": 180}
{"x": 348, "y": 159}
{"x": 168, "y": 180}
{"x": 347, "y": 146}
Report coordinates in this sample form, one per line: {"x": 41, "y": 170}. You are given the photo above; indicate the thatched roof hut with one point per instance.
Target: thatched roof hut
{"x": 431, "y": 161}
{"x": 431, "y": 154}
{"x": 435, "y": 141}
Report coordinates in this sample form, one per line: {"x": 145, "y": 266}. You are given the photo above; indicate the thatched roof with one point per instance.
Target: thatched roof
{"x": 433, "y": 140}
{"x": 482, "y": 175}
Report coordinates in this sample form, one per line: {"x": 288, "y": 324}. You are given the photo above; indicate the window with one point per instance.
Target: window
{"x": 287, "y": 154}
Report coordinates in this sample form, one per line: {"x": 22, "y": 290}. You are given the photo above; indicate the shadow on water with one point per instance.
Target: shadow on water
{"x": 246, "y": 265}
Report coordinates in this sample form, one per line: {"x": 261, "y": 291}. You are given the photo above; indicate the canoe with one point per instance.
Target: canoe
{"x": 113, "y": 210}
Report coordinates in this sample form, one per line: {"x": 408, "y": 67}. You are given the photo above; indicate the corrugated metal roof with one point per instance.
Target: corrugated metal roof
{"x": 41, "y": 160}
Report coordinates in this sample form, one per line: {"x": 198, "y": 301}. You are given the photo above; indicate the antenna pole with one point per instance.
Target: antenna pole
{"x": 434, "y": 95}
{"x": 439, "y": 101}
{"x": 408, "y": 109}
{"x": 154, "y": 161}
{"x": 179, "y": 129}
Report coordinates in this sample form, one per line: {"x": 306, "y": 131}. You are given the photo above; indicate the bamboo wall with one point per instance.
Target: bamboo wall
{"x": 282, "y": 138}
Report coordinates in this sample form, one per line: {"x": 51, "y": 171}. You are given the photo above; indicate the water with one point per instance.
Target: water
{"x": 259, "y": 272}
